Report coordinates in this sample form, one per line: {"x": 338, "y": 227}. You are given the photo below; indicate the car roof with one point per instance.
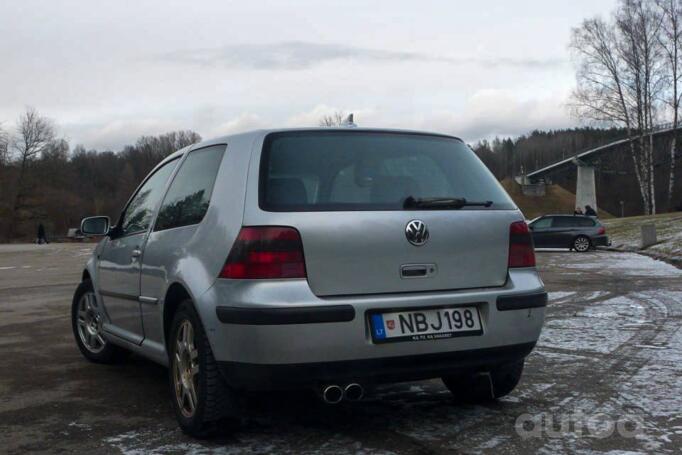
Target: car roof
{"x": 263, "y": 132}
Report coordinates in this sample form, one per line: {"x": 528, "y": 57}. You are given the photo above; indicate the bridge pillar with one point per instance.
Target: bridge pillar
{"x": 585, "y": 188}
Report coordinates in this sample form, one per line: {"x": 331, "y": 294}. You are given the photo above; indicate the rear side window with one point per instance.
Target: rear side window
{"x": 354, "y": 170}
{"x": 585, "y": 222}
{"x": 189, "y": 194}
{"x": 566, "y": 221}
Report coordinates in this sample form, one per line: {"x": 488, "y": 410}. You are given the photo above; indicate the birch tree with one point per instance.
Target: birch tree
{"x": 670, "y": 39}
{"x": 619, "y": 79}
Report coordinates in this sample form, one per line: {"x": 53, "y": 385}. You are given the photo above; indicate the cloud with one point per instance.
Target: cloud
{"x": 114, "y": 134}
{"x": 313, "y": 116}
{"x": 298, "y": 55}
{"x": 489, "y": 113}
{"x": 240, "y": 124}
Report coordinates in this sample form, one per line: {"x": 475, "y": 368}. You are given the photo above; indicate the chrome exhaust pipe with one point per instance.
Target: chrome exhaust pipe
{"x": 353, "y": 392}
{"x": 332, "y": 394}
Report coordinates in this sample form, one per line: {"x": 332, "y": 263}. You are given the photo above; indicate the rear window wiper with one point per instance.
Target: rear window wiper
{"x": 441, "y": 203}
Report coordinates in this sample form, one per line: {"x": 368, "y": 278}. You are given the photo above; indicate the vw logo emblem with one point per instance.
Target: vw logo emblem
{"x": 416, "y": 232}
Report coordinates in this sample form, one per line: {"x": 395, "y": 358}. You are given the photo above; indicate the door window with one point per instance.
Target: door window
{"x": 138, "y": 214}
{"x": 190, "y": 192}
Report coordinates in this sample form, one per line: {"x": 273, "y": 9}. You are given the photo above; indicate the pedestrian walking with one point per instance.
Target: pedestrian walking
{"x": 42, "y": 238}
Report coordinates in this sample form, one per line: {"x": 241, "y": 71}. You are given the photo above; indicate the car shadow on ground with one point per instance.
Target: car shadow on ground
{"x": 294, "y": 412}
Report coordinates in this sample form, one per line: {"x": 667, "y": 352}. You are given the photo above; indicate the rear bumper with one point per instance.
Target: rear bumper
{"x": 369, "y": 371}
{"x": 281, "y": 322}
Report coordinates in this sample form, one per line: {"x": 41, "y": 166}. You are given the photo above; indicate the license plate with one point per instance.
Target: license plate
{"x": 421, "y": 325}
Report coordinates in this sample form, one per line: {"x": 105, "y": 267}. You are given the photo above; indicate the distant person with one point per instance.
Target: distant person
{"x": 42, "y": 238}
{"x": 578, "y": 211}
{"x": 589, "y": 211}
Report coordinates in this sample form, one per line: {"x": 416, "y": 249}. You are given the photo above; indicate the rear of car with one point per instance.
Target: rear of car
{"x": 325, "y": 258}
{"x": 369, "y": 256}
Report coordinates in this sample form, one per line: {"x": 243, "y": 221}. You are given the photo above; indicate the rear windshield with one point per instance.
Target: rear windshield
{"x": 337, "y": 170}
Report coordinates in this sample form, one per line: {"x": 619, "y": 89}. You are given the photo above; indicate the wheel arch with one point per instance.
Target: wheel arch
{"x": 175, "y": 295}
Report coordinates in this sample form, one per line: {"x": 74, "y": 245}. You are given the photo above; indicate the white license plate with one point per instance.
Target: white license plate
{"x": 432, "y": 324}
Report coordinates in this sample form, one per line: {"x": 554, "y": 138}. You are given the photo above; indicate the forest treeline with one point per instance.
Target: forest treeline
{"x": 508, "y": 157}
{"x": 44, "y": 180}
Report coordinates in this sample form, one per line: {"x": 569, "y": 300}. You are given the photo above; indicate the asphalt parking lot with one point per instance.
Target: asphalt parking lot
{"x": 605, "y": 377}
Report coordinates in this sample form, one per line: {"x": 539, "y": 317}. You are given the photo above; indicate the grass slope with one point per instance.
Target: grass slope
{"x": 556, "y": 200}
{"x": 625, "y": 234}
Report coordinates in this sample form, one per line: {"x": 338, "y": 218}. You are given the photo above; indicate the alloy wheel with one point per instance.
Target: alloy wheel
{"x": 581, "y": 244}
{"x": 186, "y": 369}
{"x": 89, "y": 323}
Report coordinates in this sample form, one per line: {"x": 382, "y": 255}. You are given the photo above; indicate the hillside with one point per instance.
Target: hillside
{"x": 556, "y": 200}
{"x": 625, "y": 234}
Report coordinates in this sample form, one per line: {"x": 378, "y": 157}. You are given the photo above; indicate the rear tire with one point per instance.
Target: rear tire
{"x": 582, "y": 244}
{"x": 87, "y": 317}
{"x": 486, "y": 386}
{"x": 201, "y": 398}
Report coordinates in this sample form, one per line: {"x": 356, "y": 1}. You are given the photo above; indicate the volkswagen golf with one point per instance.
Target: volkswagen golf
{"x": 332, "y": 259}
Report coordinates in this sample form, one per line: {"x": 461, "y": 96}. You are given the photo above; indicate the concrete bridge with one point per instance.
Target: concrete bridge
{"x": 586, "y": 191}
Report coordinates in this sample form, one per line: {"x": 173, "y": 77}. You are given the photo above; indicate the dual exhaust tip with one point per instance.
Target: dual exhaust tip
{"x": 334, "y": 394}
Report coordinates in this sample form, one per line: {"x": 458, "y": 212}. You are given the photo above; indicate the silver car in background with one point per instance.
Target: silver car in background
{"x": 332, "y": 259}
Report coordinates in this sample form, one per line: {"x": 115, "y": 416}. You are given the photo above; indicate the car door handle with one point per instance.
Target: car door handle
{"x": 135, "y": 254}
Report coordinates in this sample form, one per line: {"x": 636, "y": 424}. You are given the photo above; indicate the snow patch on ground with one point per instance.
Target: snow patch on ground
{"x": 593, "y": 329}
{"x": 156, "y": 442}
{"x": 559, "y": 295}
{"x": 630, "y": 264}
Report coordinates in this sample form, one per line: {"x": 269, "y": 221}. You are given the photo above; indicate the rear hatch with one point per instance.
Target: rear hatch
{"x": 384, "y": 212}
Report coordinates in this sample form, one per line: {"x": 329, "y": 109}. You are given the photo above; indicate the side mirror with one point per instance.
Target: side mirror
{"x": 95, "y": 225}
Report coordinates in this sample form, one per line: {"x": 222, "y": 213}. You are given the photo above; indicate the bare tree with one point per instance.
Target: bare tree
{"x": 35, "y": 134}
{"x": 335, "y": 119}
{"x": 670, "y": 40}
{"x": 620, "y": 78}
{"x": 4, "y": 146}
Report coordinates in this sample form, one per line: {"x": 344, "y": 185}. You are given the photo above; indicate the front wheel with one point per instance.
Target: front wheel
{"x": 200, "y": 395}
{"x": 581, "y": 244}
{"x": 485, "y": 386}
{"x": 87, "y": 318}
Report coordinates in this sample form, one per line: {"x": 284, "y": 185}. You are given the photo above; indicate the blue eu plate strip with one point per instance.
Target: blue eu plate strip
{"x": 378, "y": 327}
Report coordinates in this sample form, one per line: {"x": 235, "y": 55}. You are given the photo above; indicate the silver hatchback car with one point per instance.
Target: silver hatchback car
{"x": 333, "y": 259}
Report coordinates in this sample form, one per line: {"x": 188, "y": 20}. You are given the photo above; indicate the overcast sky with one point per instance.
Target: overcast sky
{"x": 108, "y": 72}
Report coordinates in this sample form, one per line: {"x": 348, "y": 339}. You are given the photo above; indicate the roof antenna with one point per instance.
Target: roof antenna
{"x": 348, "y": 122}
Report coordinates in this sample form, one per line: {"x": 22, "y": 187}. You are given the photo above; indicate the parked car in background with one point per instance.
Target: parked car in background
{"x": 331, "y": 259}
{"x": 575, "y": 232}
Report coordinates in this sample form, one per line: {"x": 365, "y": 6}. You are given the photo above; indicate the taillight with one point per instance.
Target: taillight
{"x": 265, "y": 252}
{"x": 521, "y": 252}
{"x": 601, "y": 231}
